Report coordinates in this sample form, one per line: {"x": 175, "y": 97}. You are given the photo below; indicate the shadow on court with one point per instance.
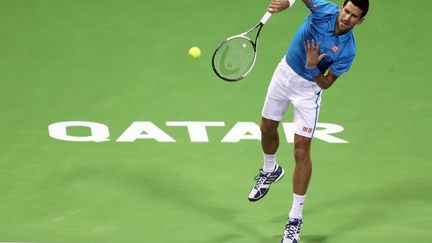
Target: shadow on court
{"x": 173, "y": 192}
{"x": 228, "y": 238}
{"x": 304, "y": 239}
{"x": 314, "y": 239}
{"x": 375, "y": 202}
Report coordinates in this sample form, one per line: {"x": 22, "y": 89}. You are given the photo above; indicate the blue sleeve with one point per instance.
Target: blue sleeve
{"x": 342, "y": 65}
{"x": 320, "y": 9}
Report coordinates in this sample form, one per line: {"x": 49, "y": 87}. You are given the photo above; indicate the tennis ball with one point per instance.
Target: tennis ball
{"x": 194, "y": 52}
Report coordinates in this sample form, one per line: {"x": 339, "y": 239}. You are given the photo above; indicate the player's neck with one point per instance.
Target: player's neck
{"x": 337, "y": 31}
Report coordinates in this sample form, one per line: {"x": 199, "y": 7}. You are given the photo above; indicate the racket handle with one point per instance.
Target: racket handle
{"x": 266, "y": 17}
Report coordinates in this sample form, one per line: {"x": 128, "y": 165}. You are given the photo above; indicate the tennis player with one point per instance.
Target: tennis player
{"x": 321, "y": 51}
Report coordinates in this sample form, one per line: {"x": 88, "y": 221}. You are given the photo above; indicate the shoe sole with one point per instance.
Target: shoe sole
{"x": 277, "y": 179}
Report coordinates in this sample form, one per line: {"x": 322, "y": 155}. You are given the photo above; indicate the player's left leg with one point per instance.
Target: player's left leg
{"x": 301, "y": 178}
{"x": 306, "y": 111}
{"x": 303, "y": 165}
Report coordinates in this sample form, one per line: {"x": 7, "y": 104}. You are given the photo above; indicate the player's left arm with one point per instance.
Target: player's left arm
{"x": 325, "y": 81}
{"x": 312, "y": 60}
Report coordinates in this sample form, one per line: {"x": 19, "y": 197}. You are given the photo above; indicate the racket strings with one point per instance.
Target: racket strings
{"x": 234, "y": 58}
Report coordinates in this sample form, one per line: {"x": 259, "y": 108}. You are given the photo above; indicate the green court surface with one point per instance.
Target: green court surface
{"x": 120, "y": 63}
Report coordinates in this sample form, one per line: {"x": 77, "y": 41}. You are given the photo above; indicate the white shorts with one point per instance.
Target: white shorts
{"x": 288, "y": 87}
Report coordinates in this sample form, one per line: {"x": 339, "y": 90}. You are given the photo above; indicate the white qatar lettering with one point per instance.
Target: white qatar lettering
{"x": 197, "y": 131}
{"x": 136, "y": 129}
{"x": 241, "y": 131}
{"x": 98, "y": 132}
{"x": 323, "y": 132}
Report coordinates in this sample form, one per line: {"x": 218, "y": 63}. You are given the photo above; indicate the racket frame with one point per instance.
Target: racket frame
{"x": 243, "y": 35}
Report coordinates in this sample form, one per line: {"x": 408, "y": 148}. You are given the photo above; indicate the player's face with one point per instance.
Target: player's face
{"x": 349, "y": 16}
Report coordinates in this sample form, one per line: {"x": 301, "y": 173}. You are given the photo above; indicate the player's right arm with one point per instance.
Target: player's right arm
{"x": 277, "y": 6}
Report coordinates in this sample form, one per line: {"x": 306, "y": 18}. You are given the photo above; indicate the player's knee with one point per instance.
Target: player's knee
{"x": 301, "y": 155}
{"x": 267, "y": 131}
{"x": 268, "y": 128}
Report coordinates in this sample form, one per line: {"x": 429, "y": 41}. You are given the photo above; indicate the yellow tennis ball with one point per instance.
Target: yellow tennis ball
{"x": 194, "y": 52}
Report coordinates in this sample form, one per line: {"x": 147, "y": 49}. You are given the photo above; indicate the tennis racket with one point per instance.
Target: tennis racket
{"x": 235, "y": 57}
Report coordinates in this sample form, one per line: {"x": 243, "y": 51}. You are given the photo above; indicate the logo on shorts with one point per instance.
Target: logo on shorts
{"x": 307, "y": 129}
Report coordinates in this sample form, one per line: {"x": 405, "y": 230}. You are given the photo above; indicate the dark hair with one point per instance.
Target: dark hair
{"x": 361, "y": 4}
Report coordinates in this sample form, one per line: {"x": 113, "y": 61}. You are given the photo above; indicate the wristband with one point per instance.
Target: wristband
{"x": 291, "y": 3}
{"x": 313, "y": 71}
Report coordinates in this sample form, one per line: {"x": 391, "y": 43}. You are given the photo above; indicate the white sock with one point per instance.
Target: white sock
{"x": 297, "y": 207}
{"x": 269, "y": 162}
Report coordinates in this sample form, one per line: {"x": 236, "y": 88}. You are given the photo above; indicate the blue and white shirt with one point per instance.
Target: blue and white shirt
{"x": 320, "y": 26}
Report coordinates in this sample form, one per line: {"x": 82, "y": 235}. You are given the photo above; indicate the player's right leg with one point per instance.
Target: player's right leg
{"x": 271, "y": 171}
{"x": 275, "y": 105}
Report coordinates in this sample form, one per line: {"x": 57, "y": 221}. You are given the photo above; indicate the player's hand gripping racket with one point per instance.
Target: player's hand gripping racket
{"x": 235, "y": 57}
